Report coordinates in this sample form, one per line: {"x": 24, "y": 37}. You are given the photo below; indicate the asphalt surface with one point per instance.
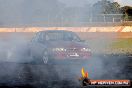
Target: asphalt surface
{"x": 19, "y": 75}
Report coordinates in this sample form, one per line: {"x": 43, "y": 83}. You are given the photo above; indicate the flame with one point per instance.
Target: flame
{"x": 84, "y": 74}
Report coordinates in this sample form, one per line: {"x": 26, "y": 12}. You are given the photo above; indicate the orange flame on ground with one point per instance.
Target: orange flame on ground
{"x": 84, "y": 74}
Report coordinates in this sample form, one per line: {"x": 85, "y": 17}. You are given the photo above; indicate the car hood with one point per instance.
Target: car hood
{"x": 66, "y": 44}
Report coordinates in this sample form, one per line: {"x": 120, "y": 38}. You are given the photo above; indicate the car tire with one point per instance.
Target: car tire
{"x": 45, "y": 57}
{"x": 32, "y": 58}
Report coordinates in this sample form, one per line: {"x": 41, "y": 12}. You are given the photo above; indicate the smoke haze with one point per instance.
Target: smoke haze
{"x": 15, "y": 61}
{"x": 22, "y": 13}
{"x": 14, "y": 49}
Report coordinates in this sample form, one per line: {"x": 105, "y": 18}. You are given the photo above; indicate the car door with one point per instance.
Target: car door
{"x": 38, "y": 45}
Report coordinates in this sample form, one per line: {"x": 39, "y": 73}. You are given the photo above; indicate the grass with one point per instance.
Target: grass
{"x": 122, "y": 46}
{"x": 122, "y": 43}
{"x": 116, "y": 46}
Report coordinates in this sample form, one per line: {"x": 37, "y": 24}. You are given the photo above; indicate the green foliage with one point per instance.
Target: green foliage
{"x": 127, "y": 11}
{"x": 106, "y": 7}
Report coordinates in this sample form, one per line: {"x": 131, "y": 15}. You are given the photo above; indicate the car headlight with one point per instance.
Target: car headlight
{"x": 59, "y": 49}
{"x": 85, "y": 49}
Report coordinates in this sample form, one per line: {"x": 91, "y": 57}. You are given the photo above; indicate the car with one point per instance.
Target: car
{"x": 51, "y": 46}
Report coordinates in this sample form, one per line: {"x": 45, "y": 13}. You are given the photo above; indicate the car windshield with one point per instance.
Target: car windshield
{"x": 65, "y": 36}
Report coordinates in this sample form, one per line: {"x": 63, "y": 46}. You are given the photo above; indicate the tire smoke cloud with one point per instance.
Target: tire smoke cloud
{"x": 15, "y": 64}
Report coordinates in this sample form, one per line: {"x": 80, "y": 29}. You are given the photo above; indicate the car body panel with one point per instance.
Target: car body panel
{"x": 72, "y": 48}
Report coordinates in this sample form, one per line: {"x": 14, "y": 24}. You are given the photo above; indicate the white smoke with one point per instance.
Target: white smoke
{"x": 14, "y": 60}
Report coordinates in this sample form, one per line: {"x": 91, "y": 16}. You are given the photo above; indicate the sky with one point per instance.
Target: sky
{"x": 83, "y": 2}
{"x": 125, "y": 2}
{"x": 25, "y": 11}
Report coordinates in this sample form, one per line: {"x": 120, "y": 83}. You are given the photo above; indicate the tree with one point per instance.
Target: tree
{"x": 106, "y": 7}
{"x": 127, "y": 11}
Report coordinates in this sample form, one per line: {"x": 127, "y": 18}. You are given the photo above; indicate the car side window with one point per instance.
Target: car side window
{"x": 41, "y": 37}
{"x": 75, "y": 37}
{"x": 34, "y": 39}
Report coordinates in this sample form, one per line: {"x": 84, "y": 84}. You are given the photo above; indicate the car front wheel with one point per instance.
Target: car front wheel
{"x": 45, "y": 57}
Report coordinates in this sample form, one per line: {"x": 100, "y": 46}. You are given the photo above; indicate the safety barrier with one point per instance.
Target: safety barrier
{"x": 74, "y": 29}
